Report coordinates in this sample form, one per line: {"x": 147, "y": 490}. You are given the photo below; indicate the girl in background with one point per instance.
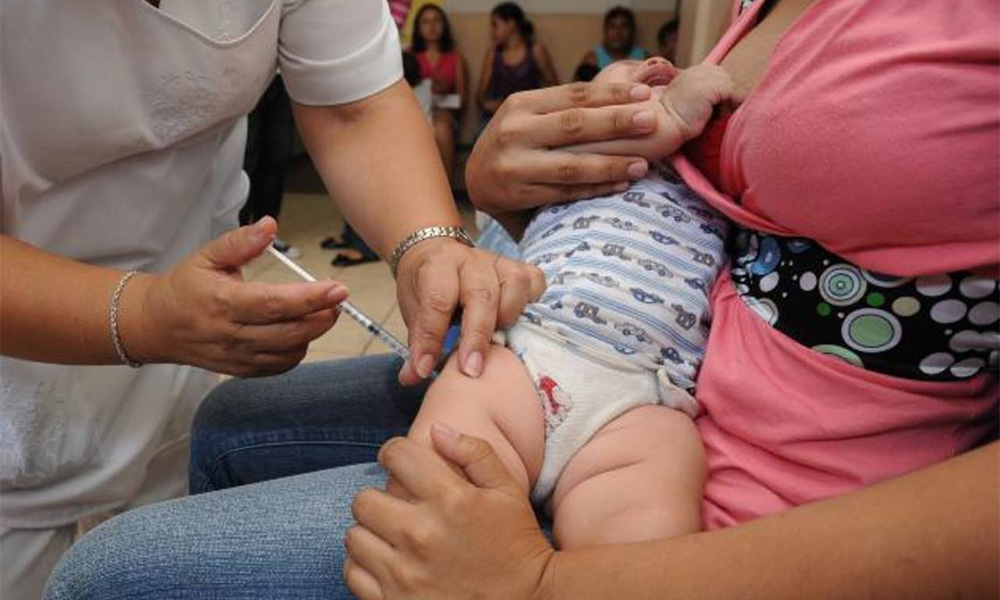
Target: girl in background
{"x": 618, "y": 44}
{"x": 516, "y": 62}
{"x": 440, "y": 62}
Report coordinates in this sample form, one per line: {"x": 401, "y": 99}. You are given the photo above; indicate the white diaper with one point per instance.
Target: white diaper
{"x": 581, "y": 390}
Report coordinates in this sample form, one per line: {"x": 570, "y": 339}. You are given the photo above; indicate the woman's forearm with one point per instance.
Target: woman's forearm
{"x": 379, "y": 161}
{"x": 930, "y": 534}
{"x": 54, "y": 309}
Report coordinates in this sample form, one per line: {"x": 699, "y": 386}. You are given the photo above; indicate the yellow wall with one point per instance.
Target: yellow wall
{"x": 567, "y": 36}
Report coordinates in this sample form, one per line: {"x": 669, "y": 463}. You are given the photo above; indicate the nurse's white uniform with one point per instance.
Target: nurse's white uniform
{"x": 121, "y": 145}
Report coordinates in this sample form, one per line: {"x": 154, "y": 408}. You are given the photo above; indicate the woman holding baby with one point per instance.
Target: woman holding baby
{"x": 848, "y": 393}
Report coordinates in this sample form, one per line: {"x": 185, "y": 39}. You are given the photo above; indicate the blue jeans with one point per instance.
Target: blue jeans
{"x": 267, "y": 535}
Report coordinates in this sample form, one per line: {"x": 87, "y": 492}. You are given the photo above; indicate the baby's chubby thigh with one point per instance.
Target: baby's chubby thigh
{"x": 500, "y": 406}
{"x": 641, "y": 477}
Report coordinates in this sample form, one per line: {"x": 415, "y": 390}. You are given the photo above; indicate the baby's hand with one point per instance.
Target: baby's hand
{"x": 692, "y": 95}
{"x": 681, "y": 112}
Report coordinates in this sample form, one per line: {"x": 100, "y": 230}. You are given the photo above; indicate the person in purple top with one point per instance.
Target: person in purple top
{"x": 515, "y": 62}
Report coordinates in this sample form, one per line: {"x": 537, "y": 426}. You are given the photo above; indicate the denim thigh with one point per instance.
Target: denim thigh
{"x": 268, "y": 541}
{"x": 316, "y": 416}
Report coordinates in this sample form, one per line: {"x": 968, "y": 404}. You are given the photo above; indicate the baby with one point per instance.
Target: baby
{"x": 589, "y": 400}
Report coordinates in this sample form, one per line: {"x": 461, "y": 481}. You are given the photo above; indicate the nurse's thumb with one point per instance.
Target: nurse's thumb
{"x": 239, "y": 246}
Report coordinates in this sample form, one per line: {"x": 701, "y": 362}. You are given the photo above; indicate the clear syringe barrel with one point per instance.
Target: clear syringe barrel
{"x": 349, "y": 309}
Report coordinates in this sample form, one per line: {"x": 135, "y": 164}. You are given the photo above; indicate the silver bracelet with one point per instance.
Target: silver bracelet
{"x": 424, "y": 234}
{"x": 116, "y": 337}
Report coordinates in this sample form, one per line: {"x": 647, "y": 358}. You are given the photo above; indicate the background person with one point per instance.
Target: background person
{"x": 666, "y": 40}
{"x": 515, "y": 62}
{"x": 270, "y": 144}
{"x": 443, "y": 65}
{"x": 618, "y": 43}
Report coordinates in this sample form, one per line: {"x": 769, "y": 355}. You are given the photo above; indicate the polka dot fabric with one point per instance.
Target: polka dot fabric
{"x": 938, "y": 328}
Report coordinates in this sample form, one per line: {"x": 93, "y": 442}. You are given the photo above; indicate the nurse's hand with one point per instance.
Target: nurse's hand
{"x": 464, "y": 530}
{"x": 202, "y": 312}
{"x": 517, "y": 165}
{"x": 439, "y": 276}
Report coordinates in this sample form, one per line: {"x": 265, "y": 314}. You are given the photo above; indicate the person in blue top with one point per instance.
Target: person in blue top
{"x": 618, "y": 44}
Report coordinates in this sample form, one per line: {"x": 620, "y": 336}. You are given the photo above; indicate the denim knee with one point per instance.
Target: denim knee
{"x": 99, "y": 566}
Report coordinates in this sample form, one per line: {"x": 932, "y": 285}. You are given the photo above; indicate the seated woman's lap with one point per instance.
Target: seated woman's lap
{"x": 317, "y": 416}
{"x": 271, "y": 540}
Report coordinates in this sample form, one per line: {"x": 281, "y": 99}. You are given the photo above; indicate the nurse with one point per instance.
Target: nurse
{"x": 122, "y": 140}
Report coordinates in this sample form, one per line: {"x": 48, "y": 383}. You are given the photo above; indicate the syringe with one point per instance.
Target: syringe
{"x": 350, "y": 310}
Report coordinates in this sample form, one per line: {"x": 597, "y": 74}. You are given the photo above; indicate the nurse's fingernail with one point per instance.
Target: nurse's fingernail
{"x": 474, "y": 364}
{"x": 622, "y": 186}
{"x": 444, "y": 430}
{"x": 260, "y": 222}
{"x": 425, "y": 366}
{"x": 337, "y": 293}
{"x": 637, "y": 169}
{"x": 643, "y": 119}
{"x": 640, "y": 91}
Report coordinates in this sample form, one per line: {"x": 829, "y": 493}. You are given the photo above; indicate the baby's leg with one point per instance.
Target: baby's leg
{"x": 501, "y": 406}
{"x": 639, "y": 478}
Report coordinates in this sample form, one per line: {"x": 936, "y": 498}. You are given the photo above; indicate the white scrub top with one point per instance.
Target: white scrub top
{"x": 121, "y": 145}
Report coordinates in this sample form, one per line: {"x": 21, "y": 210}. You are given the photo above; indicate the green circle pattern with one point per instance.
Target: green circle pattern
{"x": 875, "y": 299}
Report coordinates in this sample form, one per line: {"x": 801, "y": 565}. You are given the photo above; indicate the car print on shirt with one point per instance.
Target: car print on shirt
{"x": 712, "y": 230}
{"x": 623, "y": 349}
{"x": 696, "y": 284}
{"x": 581, "y": 247}
{"x": 678, "y": 215}
{"x": 645, "y": 297}
{"x": 585, "y": 310}
{"x": 663, "y": 238}
{"x": 658, "y": 268}
{"x": 685, "y": 319}
{"x": 585, "y": 222}
{"x": 632, "y": 330}
{"x": 545, "y": 258}
{"x": 636, "y": 198}
{"x": 666, "y": 195}
{"x": 618, "y": 223}
{"x": 616, "y": 250}
{"x": 552, "y": 230}
{"x": 672, "y": 355}
{"x": 702, "y": 258}
{"x": 702, "y": 211}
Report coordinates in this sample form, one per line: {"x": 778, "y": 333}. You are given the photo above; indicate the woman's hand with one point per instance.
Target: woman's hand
{"x": 439, "y": 275}
{"x": 202, "y": 313}
{"x": 516, "y": 164}
{"x": 466, "y": 530}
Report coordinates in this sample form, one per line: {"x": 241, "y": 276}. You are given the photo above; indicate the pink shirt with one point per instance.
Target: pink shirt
{"x": 444, "y": 70}
{"x": 875, "y": 131}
